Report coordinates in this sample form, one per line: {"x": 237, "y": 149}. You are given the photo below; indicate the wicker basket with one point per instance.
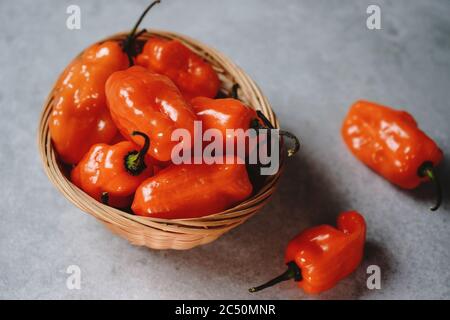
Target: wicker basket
{"x": 156, "y": 233}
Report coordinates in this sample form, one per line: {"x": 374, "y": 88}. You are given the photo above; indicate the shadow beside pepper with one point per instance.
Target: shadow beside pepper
{"x": 355, "y": 285}
{"x": 254, "y": 252}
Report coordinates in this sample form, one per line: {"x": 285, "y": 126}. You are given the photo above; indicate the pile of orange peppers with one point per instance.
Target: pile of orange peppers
{"x": 115, "y": 107}
{"x": 114, "y": 112}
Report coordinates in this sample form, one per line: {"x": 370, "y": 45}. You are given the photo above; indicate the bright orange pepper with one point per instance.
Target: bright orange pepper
{"x": 389, "y": 142}
{"x": 112, "y": 174}
{"x": 193, "y": 76}
{"x": 319, "y": 257}
{"x": 192, "y": 190}
{"x": 141, "y": 100}
{"x": 223, "y": 114}
{"x": 231, "y": 113}
{"x": 80, "y": 117}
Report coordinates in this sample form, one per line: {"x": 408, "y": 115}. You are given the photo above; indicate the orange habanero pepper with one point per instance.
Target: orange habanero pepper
{"x": 80, "y": 117}
{"x": 321, "y": 256}
{"x": 192, "y": 190}
{"x": 111, "y": 174}
{"x": 223, "y": 114}
{"x": 231, "y": 113}
{"x": 141, "y": 100}
{"x": 389, "y": 142}
{"x": 192, "y": 75}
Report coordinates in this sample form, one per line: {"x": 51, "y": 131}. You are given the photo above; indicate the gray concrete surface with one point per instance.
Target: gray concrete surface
{"x": 312, "y": 59}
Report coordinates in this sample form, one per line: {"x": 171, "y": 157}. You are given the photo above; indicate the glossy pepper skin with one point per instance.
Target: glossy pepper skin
{"x": 80, "y": 117}
{"x": 192, "y": 75}
{"x": 105, "y": 174}
{"x": 326, "y": 254}
{"x": 389, "y": 142}
{"x": 192, "y": 190}
{"x": 319, "y": 257}
{"x": 223, "y": 114}
{"x": 231, "y": 113}
{"x": 141, "y": 100}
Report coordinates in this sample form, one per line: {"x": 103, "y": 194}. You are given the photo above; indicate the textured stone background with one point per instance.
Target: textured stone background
{"x": 312, "y": 59}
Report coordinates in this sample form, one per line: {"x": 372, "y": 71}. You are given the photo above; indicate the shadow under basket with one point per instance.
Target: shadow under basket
{"x": 155, "y": 233}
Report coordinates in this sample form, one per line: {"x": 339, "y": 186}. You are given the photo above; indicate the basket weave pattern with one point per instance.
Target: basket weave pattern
{"x": 158, "y": 233}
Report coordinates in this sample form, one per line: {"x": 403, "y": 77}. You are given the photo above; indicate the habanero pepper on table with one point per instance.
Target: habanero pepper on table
{"x": 111, "y": 174}
{"x": 80, "y": 117}
{"x": 319, "y": 257}
{"x": 390, "y": 142}
{"x": 192, "y": 75}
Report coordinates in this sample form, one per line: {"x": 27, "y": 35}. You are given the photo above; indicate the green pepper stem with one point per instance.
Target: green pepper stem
{"x": 287, "y": 134}
{"x": 129, "y": 40}
{"x": 135, "y": 160}
{"x": 293, "y": 272}
{"x": 427, "y": 170}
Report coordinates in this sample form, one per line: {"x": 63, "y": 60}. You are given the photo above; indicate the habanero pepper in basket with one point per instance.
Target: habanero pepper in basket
{"x": 192, "y": 190}
{"x": 80, "y": 117}
{"x": 111, "y": 174}
{"x": 389, "y": 142}
{"x": 224, "y": 114}
{"x": 192, "y": 75}
{"x": 230, "y": 113}
{"x": 142, "y": 100}
{"x": 319, "y": 257}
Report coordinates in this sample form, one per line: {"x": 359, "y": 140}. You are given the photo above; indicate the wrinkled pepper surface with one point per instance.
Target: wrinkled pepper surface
{"x": 192, "y": 75}
{"x": 141, "y": 100}
{"x": 223, "y": 114}
{"x": 192, "y": 190}
{"x": 112, "y": 173}
{"x": 80, "y": 117}
{"x": 319, "y": 257}
{"x": 390, "y": 142}
{"x": 231, "y": 113}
